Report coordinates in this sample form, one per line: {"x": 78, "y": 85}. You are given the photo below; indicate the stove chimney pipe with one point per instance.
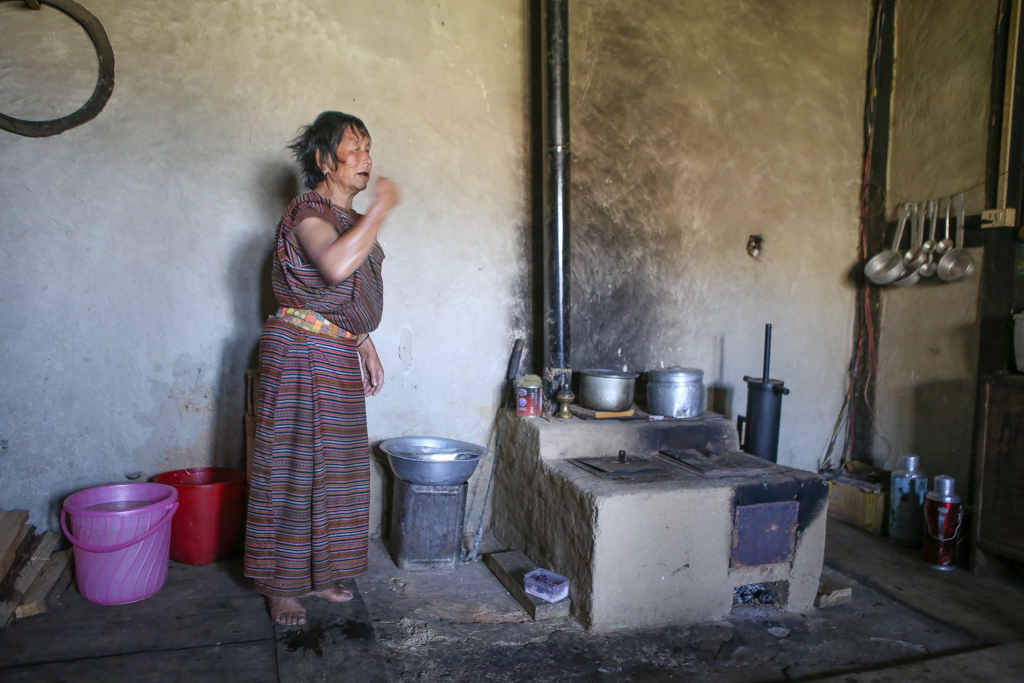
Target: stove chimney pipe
{"x": 556, "y": 198}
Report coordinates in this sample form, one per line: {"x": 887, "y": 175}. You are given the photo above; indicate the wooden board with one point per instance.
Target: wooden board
{"x": 13, "y": 531}
{"x": 510, "y": 568}
{"x": 253, "y": 662}
{"x": 999, "y": 664}
{"x": 832, "y": 596}
{"x": 53, "y": 579}
{"x": 999, "y": 468}
{"x": 21, "y": 554}
{"x": 580, "y": 411}
{"x": 336, "y": 643}
{"x": 988, "y": 610}
{"x": 38, "y": 557}
{"x": 198, "y": 606}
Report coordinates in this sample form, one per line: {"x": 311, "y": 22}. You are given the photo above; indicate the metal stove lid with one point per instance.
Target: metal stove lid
{"x": 610, "y": 374}
{"x": 676, "y": 375}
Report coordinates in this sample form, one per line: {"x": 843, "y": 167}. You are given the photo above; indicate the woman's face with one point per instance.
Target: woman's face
{"x": 354, "y": 163}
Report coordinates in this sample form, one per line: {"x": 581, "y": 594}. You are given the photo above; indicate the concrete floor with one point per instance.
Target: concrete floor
{"x": 907, "y": 624}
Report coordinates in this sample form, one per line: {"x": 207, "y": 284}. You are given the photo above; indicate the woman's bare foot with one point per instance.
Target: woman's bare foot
{"x": 333, "y": 594}
{"x": 286, "y": 611}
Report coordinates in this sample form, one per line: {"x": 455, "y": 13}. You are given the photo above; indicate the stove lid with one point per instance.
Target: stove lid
{"x": 724, "y": 464}
{"x": 632, "y": 468}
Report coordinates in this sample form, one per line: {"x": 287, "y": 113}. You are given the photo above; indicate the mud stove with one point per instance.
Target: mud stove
{"x": 657, "y": 522}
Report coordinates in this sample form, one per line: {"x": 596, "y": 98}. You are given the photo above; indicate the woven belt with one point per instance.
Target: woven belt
{"x": 312, "y": 322}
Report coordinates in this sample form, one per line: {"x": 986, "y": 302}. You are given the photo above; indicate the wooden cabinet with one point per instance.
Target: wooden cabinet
{"x": 999, "y": 470}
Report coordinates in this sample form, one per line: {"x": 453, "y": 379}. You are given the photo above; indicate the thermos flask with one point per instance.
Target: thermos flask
{"x": 943, "y": 515}
{"x": 908, "y": 488}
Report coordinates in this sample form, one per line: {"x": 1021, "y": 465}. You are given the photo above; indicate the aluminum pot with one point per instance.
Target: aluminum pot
{"x": 607, "y": 390}
{"x": 676, "y": 392}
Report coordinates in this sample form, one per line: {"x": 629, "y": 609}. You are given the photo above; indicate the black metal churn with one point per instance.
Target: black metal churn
{"x": 759, "y": 428}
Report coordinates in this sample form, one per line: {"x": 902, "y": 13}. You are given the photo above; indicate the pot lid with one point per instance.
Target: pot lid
{"x": 676, "y": 374}
{"x": 609, "y": 374}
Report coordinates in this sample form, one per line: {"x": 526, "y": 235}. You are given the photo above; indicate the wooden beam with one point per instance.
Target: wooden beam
{"x": 868, "y": 317}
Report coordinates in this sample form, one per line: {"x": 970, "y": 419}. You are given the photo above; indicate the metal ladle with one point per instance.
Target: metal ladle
{"x": 915, "y": 256}
{"x": 887, "y": 266}
{"x": 945, "y": 244}
{"x": 928, "y": 268}
{"x": 957, "y": 264}
{"x": 933, "y": 216}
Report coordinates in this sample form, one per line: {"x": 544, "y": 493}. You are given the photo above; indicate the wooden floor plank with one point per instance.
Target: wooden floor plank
{"x": 198, "y": 606}
{"x": 996, "y": 664}
{"x": 238, "y": 663}
{"x": 987, "y": 609}
{"x": 337, "y": 643}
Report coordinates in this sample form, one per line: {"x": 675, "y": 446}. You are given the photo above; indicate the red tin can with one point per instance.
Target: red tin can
{"x": 943, "y": 516}
{"x": 529, "y": 396}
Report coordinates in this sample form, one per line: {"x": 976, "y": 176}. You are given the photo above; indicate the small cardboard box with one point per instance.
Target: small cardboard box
{"x": 858, "y": 506}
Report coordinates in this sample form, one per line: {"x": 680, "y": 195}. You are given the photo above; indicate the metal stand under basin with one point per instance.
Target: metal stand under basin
{"x": 426, "y": 525}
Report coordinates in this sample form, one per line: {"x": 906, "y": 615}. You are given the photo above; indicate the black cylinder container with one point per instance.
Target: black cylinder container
{"x": 759, "y": 428}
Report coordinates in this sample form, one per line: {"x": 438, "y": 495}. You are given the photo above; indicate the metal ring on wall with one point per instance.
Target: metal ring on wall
{"x": 104, "y": 83}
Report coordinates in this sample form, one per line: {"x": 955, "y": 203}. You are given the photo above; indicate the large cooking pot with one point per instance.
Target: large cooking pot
{"x": 676, "y": 392}
{"x": 607, "y": 390}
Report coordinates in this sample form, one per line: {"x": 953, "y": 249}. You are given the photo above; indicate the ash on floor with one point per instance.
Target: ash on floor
{"x": 460, "y": 625}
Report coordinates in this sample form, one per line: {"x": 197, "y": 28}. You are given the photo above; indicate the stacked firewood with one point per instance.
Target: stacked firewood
{"x": 33, "y": 572}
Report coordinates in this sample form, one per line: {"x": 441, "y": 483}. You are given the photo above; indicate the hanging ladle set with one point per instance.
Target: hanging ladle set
{"x": 890, "y": 267}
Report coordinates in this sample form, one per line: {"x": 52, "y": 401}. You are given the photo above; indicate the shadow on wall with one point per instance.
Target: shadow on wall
{"x": 943, "y": 425}
{"x": 252, "y": 302}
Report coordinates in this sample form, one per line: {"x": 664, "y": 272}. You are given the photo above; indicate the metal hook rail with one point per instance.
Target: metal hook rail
{"x": 104, "y": 82}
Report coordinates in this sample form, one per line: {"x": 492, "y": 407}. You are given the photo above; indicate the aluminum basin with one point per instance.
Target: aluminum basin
{"x": 432, "y": 461}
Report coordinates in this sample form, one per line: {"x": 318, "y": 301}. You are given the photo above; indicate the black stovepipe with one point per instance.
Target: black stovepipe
{"x": 556, "y": 194}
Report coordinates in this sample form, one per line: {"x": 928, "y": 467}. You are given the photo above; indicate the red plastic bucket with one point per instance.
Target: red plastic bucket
{"x": 209, "y": 521}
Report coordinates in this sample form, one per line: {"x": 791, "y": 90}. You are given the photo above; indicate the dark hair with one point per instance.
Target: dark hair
{"x": 323, "y": 135}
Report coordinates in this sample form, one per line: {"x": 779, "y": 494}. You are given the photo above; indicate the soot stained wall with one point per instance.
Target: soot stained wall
{"x": 695, "y": 125}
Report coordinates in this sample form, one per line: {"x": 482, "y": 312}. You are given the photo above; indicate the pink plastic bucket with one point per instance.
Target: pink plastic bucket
{"x": 122, "y": 537}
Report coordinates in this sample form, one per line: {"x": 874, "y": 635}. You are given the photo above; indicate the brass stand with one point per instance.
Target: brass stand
{"x": 564, "y": 397}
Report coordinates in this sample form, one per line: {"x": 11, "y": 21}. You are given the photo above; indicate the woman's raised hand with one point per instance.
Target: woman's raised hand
{"x": 385, "y": 193}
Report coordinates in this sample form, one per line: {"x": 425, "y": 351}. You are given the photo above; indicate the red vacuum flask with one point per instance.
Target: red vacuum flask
{"x": 943, "y": 516}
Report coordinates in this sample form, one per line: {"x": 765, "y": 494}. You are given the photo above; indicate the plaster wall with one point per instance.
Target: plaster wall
{"x": 695, "y": 125}
{"x": 929, "y": 334}
{"x": 133, "y": 265}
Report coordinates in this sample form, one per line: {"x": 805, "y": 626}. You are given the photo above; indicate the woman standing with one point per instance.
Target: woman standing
{"x": 309, "y": 499}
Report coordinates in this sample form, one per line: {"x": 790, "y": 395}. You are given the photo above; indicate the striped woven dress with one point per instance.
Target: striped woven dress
{"x": 309, "y": 497}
